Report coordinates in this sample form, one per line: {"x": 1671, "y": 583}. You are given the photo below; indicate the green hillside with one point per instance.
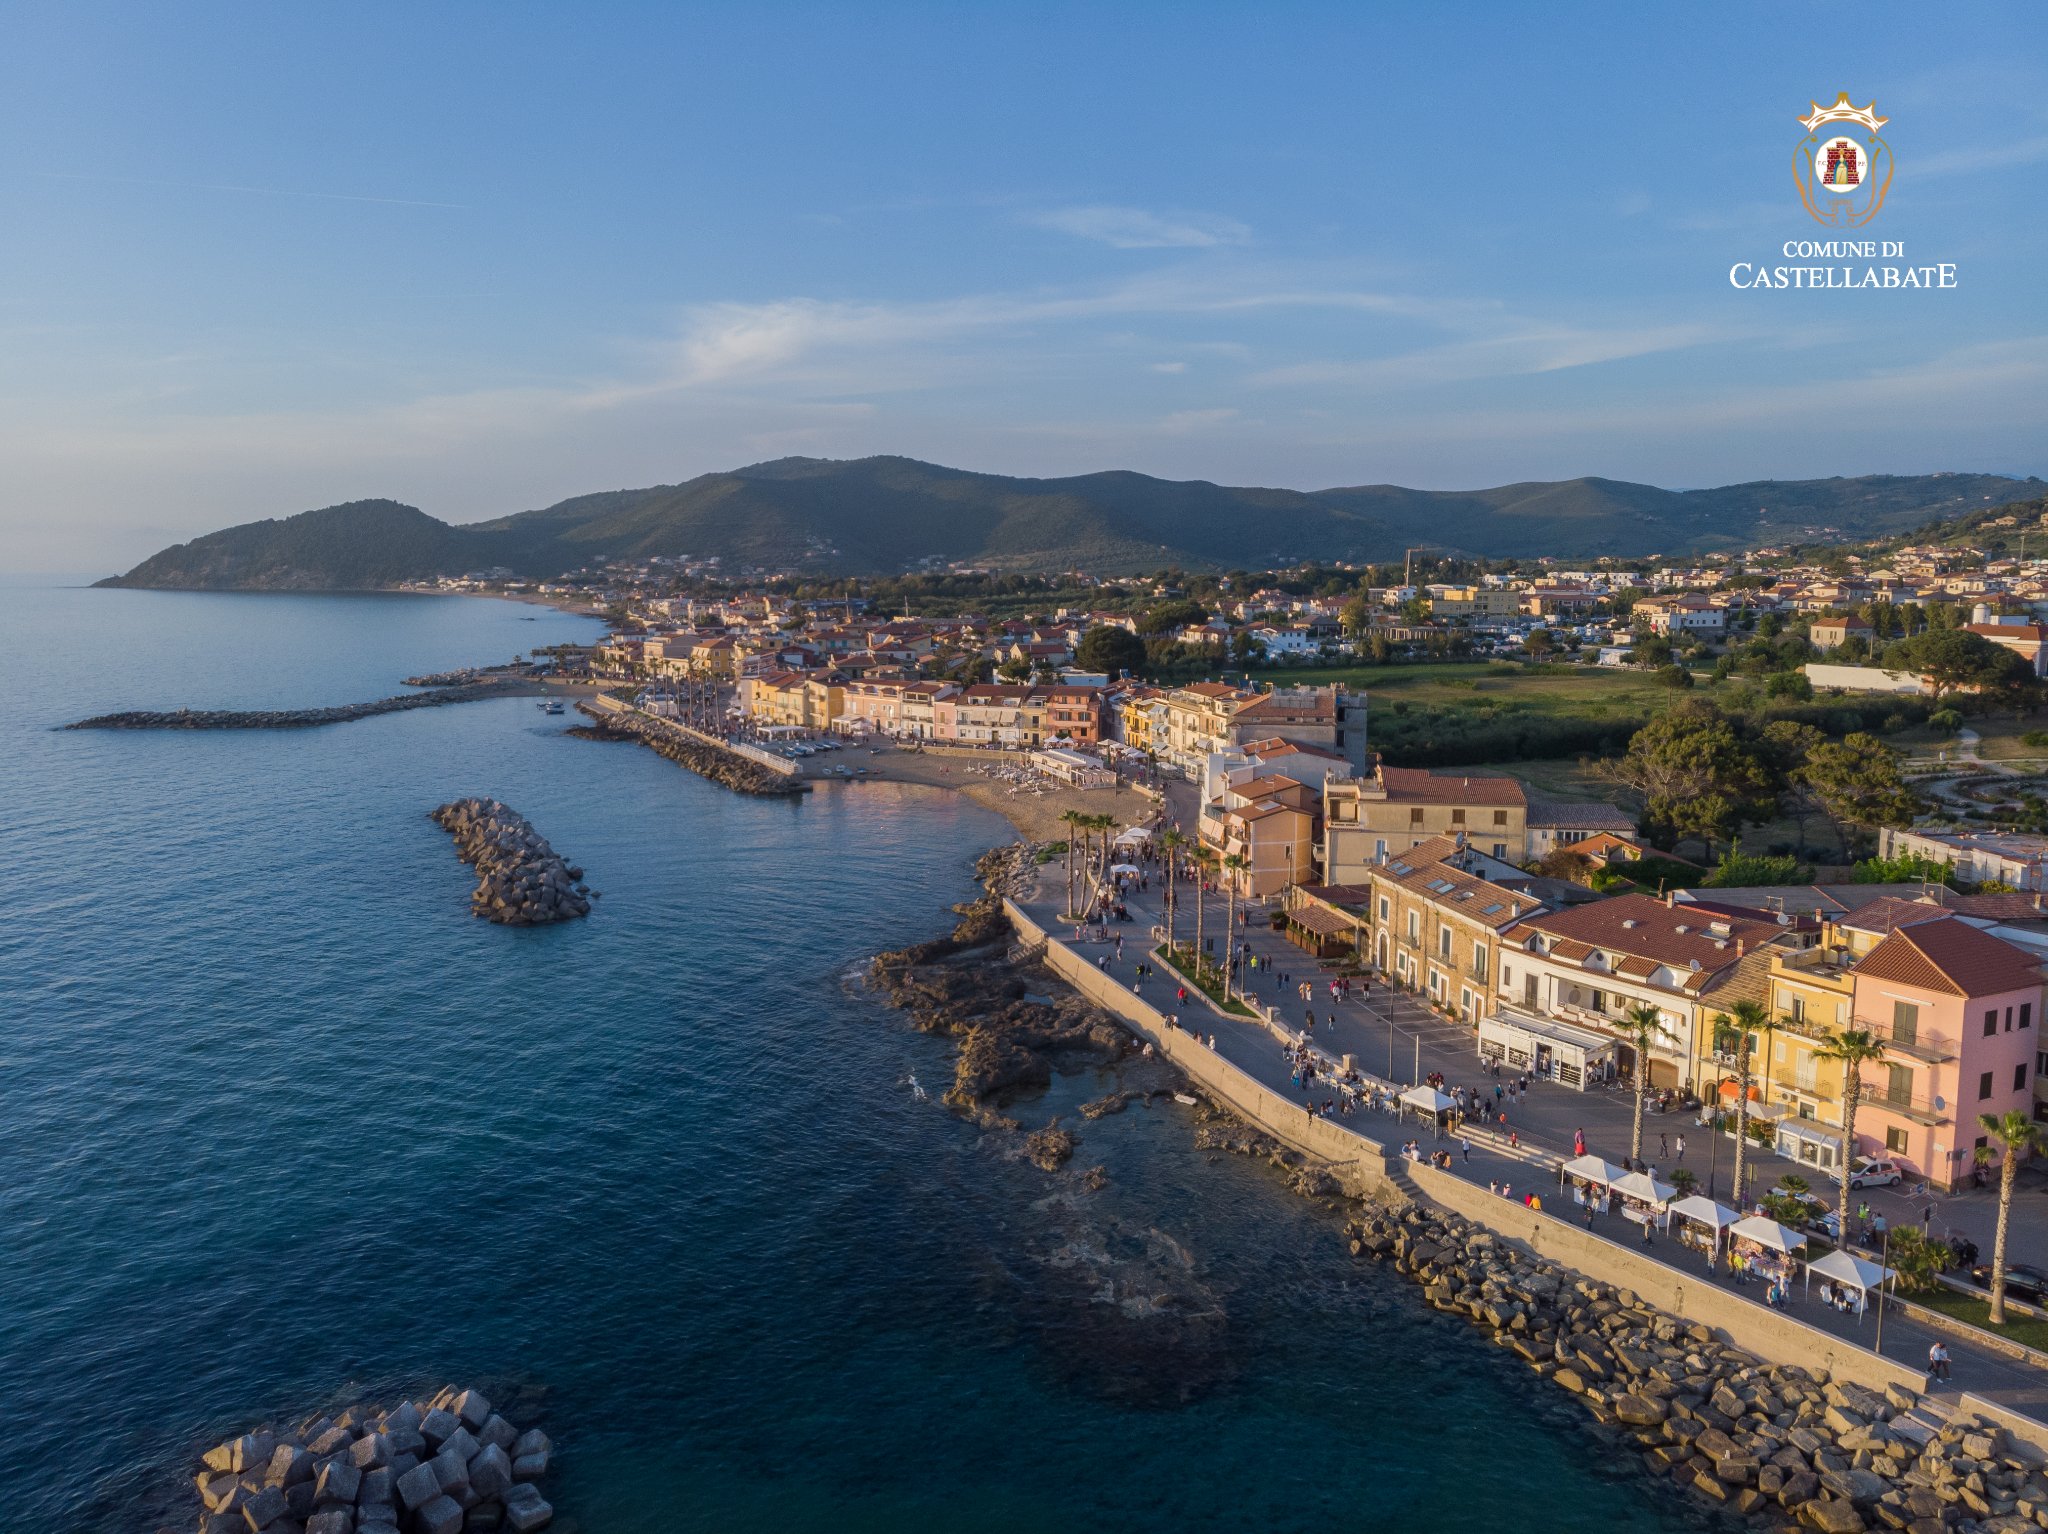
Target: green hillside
{"x": 881, "y": 515}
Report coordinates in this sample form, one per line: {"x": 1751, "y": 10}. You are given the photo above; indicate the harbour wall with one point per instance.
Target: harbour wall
{"x": 782, "y": 766}
{"x": 1364, "y": 1168}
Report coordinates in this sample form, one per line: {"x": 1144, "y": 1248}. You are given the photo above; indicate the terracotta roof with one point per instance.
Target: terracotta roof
{"x": 1419, "y": 783}
{"x": 1951, "y": 955}
{"x": 1577, "y": 815}
{"x": 1890, "y": 914}
{"x": 2032, "y": 632}
{"x": 1321, "y": 708}
{"x": 1643, "y": 926}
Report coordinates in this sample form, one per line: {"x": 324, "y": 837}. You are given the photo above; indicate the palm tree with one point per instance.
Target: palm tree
{"x": 2017, "y": 1135}
{"x": 1852, "y": 1047}
{"x": 1071, "y": 819}
{"x": 1172, "y": 841}
{"x": 1642, "y": 1024}
{"x": 1231, "y": 865}
{"x": 1202, "y": 856}
{"x": 1748, "y": 1016}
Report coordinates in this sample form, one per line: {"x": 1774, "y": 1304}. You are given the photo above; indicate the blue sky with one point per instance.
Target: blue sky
{"x": 257, "y": 258}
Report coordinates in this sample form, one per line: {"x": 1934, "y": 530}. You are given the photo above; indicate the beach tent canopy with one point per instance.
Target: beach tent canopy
{"x": 1592, "y": 1169}
{"x": 1705, "y": 1211}
{"x": 1643, "y": 1186}
{"x": 1768, "y": 1233}
{"x": 1133, "y": 834}
{"x": 1126, "y": 868}
{"x": 1842, "y": 1268}
{"x": 1428, "y": 1099}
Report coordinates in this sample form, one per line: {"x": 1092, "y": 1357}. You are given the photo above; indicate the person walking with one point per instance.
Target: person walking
{"x": 1679, "y": 1146}
{"x": 1578, "y": 1142}
{"x": 1465, "y": 1145}
{"x": 1937, "y": 1363}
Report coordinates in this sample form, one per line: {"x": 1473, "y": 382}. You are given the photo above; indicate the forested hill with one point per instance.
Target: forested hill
{"x": 881, "y": 515}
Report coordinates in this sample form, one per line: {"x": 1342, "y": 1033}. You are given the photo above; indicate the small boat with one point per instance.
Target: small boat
{"x": 917, "y": 1092}
{"x": 1182, "y": 1097}
{"x": 553, "y": 705}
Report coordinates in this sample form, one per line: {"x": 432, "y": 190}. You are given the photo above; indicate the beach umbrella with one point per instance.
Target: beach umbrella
{"x": 1768, "y": 1233}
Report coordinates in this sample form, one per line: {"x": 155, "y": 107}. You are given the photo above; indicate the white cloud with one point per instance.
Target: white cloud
{"x": 1137, "y": 229}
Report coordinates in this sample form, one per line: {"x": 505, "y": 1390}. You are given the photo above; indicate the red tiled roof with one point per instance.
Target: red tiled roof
{"x": 1951, "y": 955}
{"x": 1644, "y": 926}
{"x": 1419, "y": 783}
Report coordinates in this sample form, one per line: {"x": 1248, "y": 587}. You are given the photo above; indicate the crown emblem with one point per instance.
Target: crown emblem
{"x": 1843, "y": 112}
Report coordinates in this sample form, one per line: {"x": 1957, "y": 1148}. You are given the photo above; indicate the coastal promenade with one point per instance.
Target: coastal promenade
{"x": 1250, "y": 1070}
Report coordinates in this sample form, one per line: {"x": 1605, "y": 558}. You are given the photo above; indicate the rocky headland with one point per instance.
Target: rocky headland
{"x": 520, "y": 880}
{"x": 448, "y": 1465}
{"x": 1786, "y": 1446}
{"x": 288, "y": 718}
{"x": 969, "y": 986}
{"x": 724, "y": 767}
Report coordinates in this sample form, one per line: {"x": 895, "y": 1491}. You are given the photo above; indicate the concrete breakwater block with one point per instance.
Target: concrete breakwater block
{"x": 520, "y": 880}
{"x": 445, "y": 1464}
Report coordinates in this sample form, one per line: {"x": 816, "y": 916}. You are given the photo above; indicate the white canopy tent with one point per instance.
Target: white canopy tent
{"x": 1641, "y": 1185}
{"x": 1591, "y": 1169}
{"x": 1846, "y": 1271}
{"x": 1427, "y": 1099}
{"x": 1767, "y": 1233}
{"x": 1702, "y": 1210}
{"x": 1126, "y": 868}
{"x": 1133, "y": 836}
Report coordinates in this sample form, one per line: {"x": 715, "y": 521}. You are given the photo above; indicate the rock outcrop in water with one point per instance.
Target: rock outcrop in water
{"x": 1786, "y": 1446}
{"x": 964, "y": 986}
{"x": 284, "y": 719}
{"x": 448, "y": 1466}
{"x": 521, "y": 880}
{"x": 728, "y": 768}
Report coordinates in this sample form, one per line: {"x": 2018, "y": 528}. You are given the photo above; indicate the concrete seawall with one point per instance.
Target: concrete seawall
{"x": 604, "y": 706}
{"x": 1364, "y": 1168}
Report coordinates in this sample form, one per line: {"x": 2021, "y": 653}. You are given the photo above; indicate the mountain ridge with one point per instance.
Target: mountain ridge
{"x": 884, "y": 514}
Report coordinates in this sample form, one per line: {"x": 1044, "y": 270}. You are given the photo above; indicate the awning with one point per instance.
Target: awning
{"x": 1134, "y": 834}
{"x": 1322, "y": 922}
{"x": 1806, "y": 1129}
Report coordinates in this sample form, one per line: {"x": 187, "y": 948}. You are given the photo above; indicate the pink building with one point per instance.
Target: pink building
{"x": 1955, "y": 1009}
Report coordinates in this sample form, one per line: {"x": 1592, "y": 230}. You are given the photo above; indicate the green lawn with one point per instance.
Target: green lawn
{"x": 1586, "y": 691}
{"x": 2031, "y": 1331}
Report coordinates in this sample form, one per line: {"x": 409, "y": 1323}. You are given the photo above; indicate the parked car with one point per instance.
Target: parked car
{"x": 1876, "y": 1172}
{"x": 2023, "y": 1282}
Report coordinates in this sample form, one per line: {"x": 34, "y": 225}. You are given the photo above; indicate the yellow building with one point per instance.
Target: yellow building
{"x": 1369, "y": 819}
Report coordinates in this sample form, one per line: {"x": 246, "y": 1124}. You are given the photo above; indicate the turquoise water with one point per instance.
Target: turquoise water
{"x": 280, "y": 1122}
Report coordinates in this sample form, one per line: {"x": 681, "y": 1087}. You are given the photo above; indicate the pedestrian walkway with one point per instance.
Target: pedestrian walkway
{"x": 1399, "y": 1043}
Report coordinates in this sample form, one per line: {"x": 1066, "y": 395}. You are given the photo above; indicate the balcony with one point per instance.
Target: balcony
{"x": 1919, "y": 1109}
{"x": 1918, "y": 1044}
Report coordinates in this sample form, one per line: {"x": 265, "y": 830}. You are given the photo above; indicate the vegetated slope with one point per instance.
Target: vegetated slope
{"x": 876, "y": 515}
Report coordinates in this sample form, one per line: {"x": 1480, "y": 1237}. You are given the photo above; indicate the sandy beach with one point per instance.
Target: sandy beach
{"x": 1034, "y": 810}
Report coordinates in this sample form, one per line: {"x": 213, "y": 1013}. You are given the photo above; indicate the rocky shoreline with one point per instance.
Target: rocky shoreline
{"x": 723, "y": 767}
{"x": 284, "y": 719}
{"x": 1780, "y": 1447}
{"x": 1786, "y": 1446}
{"x": 521, "y": 880}
{"x": 449, "y": 1466}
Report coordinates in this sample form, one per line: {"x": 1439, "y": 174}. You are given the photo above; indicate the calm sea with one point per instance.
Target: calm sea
{"x": 280, "y": 1122}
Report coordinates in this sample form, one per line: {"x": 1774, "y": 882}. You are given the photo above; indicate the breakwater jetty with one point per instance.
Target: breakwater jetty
{"x": 443, "y": 1465}
{"x": 1787, "y": 1444}
{"x": 284, "y": 719}
{"x": 521, "y": 881}
{"x": 702, "y": 754}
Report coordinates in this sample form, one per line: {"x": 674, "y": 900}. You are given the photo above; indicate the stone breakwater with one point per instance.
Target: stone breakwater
{"x": 733, "y": 771}
{"x": 448, "y": 1466}
{"x": 1783, "y": 1445}
{"x": 283, "y": 719}
{"x": 520, "y": 880}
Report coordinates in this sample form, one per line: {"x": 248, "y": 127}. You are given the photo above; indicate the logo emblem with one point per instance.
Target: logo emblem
{"x": 1843, "y": 169}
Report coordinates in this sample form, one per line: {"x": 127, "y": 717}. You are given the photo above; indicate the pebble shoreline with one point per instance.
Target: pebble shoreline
{"x": 450, "y": 1466}
{"x": 521, "y": 880}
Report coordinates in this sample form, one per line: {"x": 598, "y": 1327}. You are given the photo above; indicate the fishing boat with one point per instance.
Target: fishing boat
{"x": 553, "y": 705}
